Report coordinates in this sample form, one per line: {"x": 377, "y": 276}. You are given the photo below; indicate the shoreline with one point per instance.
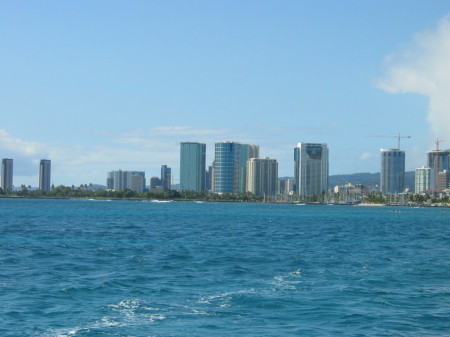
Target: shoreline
{"x": 437, "y": 205}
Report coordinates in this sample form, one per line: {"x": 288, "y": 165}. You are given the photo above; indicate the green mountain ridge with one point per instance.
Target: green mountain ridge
{"x": 367, "y": 179}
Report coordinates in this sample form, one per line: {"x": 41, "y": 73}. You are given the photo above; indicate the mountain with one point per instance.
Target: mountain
{"x": 367, "y": 179}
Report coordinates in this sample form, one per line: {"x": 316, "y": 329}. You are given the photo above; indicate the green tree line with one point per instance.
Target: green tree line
{"x": 83, "y": 191}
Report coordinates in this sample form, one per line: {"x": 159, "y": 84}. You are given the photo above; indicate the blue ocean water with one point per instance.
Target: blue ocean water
{"x": 127, "y": 268}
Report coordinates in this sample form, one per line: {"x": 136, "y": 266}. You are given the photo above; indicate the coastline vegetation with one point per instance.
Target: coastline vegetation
{"x": 87, "y": 192}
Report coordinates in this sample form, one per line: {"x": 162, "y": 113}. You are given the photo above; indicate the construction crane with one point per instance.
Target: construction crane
{"x": 437, "y": 164}
{"x": 398, "y": 138}
{"x": 437, "y": 143}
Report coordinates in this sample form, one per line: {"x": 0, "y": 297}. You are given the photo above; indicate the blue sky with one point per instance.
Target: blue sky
{"x": 101, "y": 85}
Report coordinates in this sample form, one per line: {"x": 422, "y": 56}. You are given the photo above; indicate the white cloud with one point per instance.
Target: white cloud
{"x": 141, "y": 149}
{"x": 15, "y": 145}
{"x": 424, "y": 68}
{"x": 365, "y": 156}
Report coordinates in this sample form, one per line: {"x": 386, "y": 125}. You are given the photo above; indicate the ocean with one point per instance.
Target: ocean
{"x": 134, "y": 268}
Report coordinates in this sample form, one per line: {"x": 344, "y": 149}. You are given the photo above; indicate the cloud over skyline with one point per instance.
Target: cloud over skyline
{"x": 423, "y": 67}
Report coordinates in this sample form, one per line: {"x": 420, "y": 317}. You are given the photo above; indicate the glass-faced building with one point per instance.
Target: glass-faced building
{"x": 45, "y": 167}
{"x": 166, "y": 177}
{"x": 392, "y": 179}
{"x": 7, "y": 175}
{"x": 230, "y": 166}
{"x": 311, "y": 169}
{"x": 192, "y": 166}
{"x": 226, "y": 167}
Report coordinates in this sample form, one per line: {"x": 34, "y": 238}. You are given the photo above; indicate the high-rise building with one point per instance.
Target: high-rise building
{"x": 443, "y": 180}
{"x": 7, "y": 174}
{"x": 192, "y": 166}
{"x": 311, "y": 169}
{"x": 135, "y": 181}
{"x": 120, "y": 180}
{"x": 424, "y": 179}
{"x": 208, "y": 177}
{"x": 226, "y": 167}
{"x": 247, "y": 152}
{"x": 439, "y": 160}
{"x": 262, "y": 176}
{"x": 166, "y": 177}
{"x": 110, "y": 180}
{"x": 392, "y": 180}
{"x": 45, "y": 167}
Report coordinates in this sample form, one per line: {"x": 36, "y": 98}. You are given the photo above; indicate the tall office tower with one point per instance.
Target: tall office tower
{"x": 392, "y": 180}
{"x": 110, "y": 180}
{"x": 439, "y": 160}
{"x": 310, "y": 169}
{"x": 262, "y": 176}
{"x": 226, "y": 167}
{"x": 7, "y": 174}
{"x": 44, "y": 174}
{"x": 166, "y": 177}
{"x": 443, "y": 180}
{"x": 247, "y": 152}
{"x": 208, "y": 177}
{"x": 424, "y": 179}
{"x": 192, "y": 166}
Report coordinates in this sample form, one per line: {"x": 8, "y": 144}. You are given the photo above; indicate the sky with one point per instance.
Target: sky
{"x": 106, "y": 85}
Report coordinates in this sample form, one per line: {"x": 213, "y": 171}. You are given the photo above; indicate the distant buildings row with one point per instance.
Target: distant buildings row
{"x": 238, "y": 168}
{"x": 135, "y": 180}
{"x": 44, "y": 174}
{"x": 435, "y": 177}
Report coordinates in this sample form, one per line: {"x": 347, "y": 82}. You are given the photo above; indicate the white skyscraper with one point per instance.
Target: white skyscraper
{"x": 311, "y": 169}
{"x": 424, "y": 179}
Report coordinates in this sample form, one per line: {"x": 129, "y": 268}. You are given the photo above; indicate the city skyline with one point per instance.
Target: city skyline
{"x": 264, "y": 73}
{"x": 441, "y": 158}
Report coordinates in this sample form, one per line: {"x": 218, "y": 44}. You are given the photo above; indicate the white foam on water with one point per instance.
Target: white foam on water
{"x": 199, "y": 312}
{"x": 288, "y": 281}
{"x": 224, "y": 299}
{"x": 66, "y": 332}
{"x": 104, "y": 322}
{"x": 125, "y": 313}
{"x": 136, "y": 312}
